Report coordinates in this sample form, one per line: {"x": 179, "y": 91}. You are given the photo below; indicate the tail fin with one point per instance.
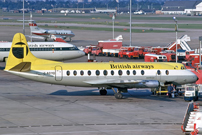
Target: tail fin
{"x": 20, "y": 58}
{"x": 19, "y": 53}
{"x": 120, "y": 37}
{"x": 33, "y": 26}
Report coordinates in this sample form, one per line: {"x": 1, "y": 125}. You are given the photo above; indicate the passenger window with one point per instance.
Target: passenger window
{"x": 75, "y": 73}
{"x": 128, "y": 72}
{"x": 97, "y": 72}
{"x": 89, "y": 72}
{"x": 81, "y": 72}
{"x": 68, "y": 73}
{"x": 105, "y": 72}
{"x": 112, "y": 72}
{"x": 120, "y": 72}
{"x": 167, "y": 72}
{"x": 134, "y": 72}
{"x": 158, "y": 72}
{"x": 142, "y": 72}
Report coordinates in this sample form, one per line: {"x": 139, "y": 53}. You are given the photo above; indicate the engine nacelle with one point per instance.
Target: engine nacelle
{"x": 147, "y": 84}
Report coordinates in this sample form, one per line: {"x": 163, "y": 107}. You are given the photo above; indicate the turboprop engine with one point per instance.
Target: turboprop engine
{"x": 147, "y": 84}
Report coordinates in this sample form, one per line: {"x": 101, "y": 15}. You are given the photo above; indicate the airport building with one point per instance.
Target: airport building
{"x": 185, "y": 7}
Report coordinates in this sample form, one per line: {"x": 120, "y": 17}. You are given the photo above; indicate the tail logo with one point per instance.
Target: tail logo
{"x": 18, "y": 52}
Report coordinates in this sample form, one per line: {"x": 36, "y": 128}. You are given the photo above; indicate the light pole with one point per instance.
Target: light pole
{"x": 113, "y": 18}
{"x": 200, "y": 39}
{"x": 130, "y": 25}
{"x": 23, "y": 16}
{"x": 176, "y": 28}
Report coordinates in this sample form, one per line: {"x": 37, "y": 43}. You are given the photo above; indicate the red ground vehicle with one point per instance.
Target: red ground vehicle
{"x": 170, "y": 54}
{"x": 155, "y": 58}
{"x": 141, "y": 52}
{"x": 188, "y": 54}
{"x": 97, "y": 51}
{"x": 128, "y": 52}
{"x": 108, "y": 47}
{"x": 88, "y": 49}
{"x": 148, "y": 51}
{"x": 111, "y": 47}
{"x": 194, "y": 60}
{"x": 159, "y": 49}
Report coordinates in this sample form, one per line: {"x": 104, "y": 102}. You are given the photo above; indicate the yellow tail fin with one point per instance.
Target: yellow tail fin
{"x": 20, "y": 58}
{"x": 19, "y": 53}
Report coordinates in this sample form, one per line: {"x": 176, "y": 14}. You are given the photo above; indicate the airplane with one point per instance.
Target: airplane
{"x": 104, "y": 75}
{"x": 103, "y": 11}
{"x": 46, "y": 50}
{"x": 52, "y": 34}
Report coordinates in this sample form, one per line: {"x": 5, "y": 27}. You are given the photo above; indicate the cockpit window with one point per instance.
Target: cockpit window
{"x": 183, "y": 67}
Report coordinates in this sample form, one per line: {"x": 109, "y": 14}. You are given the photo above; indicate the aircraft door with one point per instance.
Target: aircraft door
{"x": 158, "y": 75}
{"x": 58, "y": 73}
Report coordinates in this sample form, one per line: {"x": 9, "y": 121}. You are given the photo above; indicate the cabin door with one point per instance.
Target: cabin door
{"x": 58, "y": 73}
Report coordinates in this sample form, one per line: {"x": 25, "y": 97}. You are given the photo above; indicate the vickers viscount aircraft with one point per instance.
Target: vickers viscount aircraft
{"x": 105, "y": 75}
{"x": 46, "y": 50}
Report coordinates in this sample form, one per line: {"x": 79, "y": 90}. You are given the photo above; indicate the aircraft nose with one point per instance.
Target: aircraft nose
{"x": 82, "y": 53}
{"x": 195, "y": 78}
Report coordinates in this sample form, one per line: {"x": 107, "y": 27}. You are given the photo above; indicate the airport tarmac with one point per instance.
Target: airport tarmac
{"x": 29, "y": 108}
{"x": 34, "y": 108}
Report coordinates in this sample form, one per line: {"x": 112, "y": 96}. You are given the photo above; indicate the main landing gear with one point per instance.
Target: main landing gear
{"x": 117, "y": 93}
{"x": 103, "y": 92}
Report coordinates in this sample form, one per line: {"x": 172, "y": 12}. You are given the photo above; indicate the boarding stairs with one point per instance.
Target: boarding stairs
{"x": 192, "y": 123}
{"x": 181, "y": 44}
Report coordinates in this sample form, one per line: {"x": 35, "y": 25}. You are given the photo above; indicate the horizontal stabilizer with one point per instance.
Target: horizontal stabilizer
{"x": 22, "y": 67}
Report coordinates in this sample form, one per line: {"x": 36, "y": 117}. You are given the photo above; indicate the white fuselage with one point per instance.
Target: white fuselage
{"x": 59, "y": 76}
{"x": 46, "y": 50}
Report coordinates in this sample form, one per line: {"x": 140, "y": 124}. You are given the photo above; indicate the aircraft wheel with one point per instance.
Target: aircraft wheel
{"x": 118, "y": 96}
{"x": 103, "y": 92}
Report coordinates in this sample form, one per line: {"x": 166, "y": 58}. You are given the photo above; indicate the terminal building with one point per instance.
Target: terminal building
{"x": 185, "y": 7}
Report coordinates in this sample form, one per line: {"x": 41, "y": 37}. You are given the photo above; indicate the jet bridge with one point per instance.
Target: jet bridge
{"x": 192, "y": 123}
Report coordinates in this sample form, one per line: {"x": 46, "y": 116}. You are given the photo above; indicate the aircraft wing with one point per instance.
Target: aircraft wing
{"x": 124, "y": 83}
{"x": 33, "y": 36}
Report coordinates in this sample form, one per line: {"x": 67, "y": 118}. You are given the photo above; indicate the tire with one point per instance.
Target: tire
{"x": 118, "y": 96}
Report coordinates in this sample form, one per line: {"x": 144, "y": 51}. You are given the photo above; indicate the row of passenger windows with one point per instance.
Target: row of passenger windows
{"x": 120, "y": 72}
{"x": 46, "y": 49}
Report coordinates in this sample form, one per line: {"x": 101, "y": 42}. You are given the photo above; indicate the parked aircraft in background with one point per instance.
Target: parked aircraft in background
{"x": 46, "y": 34}
{"x": 103, "y": 11}
{"x": 46, "y": 50}
{"x": 104, "y": 75}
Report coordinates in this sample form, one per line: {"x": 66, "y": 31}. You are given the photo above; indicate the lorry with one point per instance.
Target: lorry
{"x": 128, "y": 52}
{"x": 105, "y": 47}
{"x": 110, "y": 47}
